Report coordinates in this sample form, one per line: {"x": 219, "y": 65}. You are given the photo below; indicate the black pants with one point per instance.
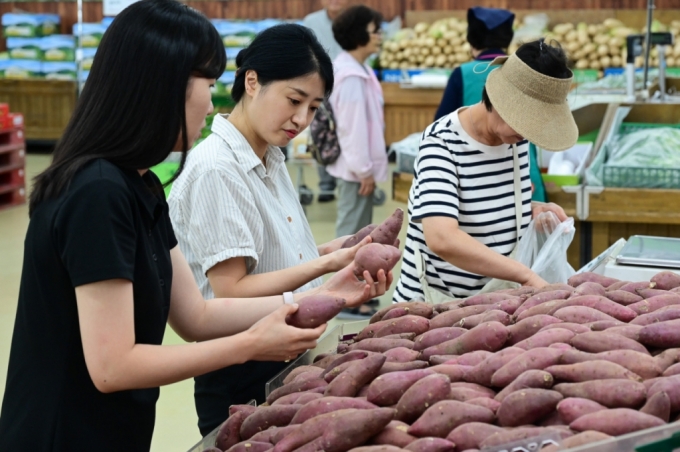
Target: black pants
{"x": 216, "y": 391}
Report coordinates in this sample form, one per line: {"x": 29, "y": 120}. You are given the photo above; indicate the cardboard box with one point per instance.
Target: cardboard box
{"x": 88, "y": 58}
{"x": 91, "y": 34}
{"x": 20, "y": 69}
{"x": 59, "y": 70}
{"x": 236, "y": 34}
{"x": 25, "y": 48}
{"x": 30, "y": 25}
{"x": 58, "y": 48}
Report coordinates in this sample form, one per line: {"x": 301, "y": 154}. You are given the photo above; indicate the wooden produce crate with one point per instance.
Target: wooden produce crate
{"x": 408, "y": 110}
{"x": 47, "y": 105}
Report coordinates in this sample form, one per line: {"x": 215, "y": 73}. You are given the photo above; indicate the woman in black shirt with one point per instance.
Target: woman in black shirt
{"x": 102, "y": 273}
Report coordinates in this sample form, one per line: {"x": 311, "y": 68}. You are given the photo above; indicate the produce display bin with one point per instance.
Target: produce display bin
{"x": 408, "y": 111}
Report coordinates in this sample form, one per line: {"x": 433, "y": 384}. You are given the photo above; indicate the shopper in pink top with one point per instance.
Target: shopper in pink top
{"x": 357, "y": 104}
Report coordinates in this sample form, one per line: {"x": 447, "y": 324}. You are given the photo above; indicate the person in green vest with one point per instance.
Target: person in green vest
{"x": 489, "y": 34}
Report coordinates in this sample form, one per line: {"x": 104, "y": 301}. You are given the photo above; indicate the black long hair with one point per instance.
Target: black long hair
{"x": 283, "y": 52}
{"x": 132, "y": 109}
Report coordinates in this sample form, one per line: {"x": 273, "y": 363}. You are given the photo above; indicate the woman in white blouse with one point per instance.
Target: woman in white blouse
{"x": 235, "y": 211}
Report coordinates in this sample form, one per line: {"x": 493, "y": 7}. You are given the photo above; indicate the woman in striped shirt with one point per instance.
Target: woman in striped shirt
{"x": 471, "y": 197}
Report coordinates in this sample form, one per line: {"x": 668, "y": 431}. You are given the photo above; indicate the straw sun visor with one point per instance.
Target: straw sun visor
{"x": 533, "y": 104}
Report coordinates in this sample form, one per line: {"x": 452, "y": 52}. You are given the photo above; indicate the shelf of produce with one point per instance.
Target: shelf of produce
{"x": 408, "y": 111}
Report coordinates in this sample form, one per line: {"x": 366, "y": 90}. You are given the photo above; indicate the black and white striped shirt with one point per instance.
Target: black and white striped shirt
{"x": 460, "y": 178}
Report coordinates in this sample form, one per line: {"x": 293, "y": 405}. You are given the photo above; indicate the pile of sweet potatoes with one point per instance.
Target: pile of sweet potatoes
{"x": 586, "y": 360}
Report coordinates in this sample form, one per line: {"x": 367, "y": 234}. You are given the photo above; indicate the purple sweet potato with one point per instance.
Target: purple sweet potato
{"x": 616, "y": 422}
{"x": 379, "y": 448}
{"x": 299, "y": 386}
{"x": 655, "y": 303}
{"x": 534, "y": 378}
{"x": 623, "y": 298}
{"x": 630, "y": 331}
{"x": 602, "y": 325}
{"x": 289, "y": 399}
{"x": 309, "y": 375}
{"x": 247, "y": 409}
{"x": 666, "y": 280}
{"x": 465, "y": 394}
{"x": 585, "y": 277}
{"x": 401, "y": 367}
{"x": 282, "y": 432}
{"x": 405, "y": 324}
{"x": 407, "y": 336}
{"x": 573, "y": 408}
{"x": 486, "y": 402}
{"x": 671, "y": 386}
{"x": 639, "y": 363}
{"x": 663, "y": 334}
{"x": 229, "y": 433}
{"x": 437, "y": 336}
{"x": 347, "y": 357}
{"x": 394, "y": 434}
{"x": 660, "y": 315}
{"x": 510, "y": 305}
{"x": 492, "y": 315}
{"x": 315, "y": 310}
{"x": 473, "y": 358}
{"x": 455, "y": 372}
{"x": 552, "y": 287}
{"x": 581, "y": 314}
{"x": 482, "y": 373}
{"x": 486, "y": 392}
{"x": 516, "y": 434}
{"x": 431, "y": 445}
{"x": 359, "y": 236}
{"x": 588, "y": 288}
{"x": 380, "y": 345}
{"x": 528, "y": 327}
{"x": 308, "y": 397}
{"x": 489, "y": 336}
{"x": 541, "y": 309}
{"x": 450, "y": 318}
{"x": 327, "y": 405}
{"x": 359, "y": 374}
{"x": 386, "y": 390}
{"x": 306, "y": 432}
{"x": 337, "y": 370}
{"x": 546, "y": 338}
{"x": 372, "y": 328}
{"x": 543, "y": 297}
{"x": 561, "y": 346}
{"x": 527, "y": 406}
{"x": 472, "y": 434}
{"x": 422, "y": 394}
{"x": 401, "y": 355}
{"x": 486, "y": 298}
{"x": 443, "y": 359}
{"x": 387, "y": 232}
{"x": 352, "y": 429}
{"x": 268, "y": 416}
{"x": 297, "y": 371}
{"x": 523, "y": 290}
{"x": 537, "y": 358}
{"x": 658, "y": 405}
{"x": 442, "y": 417}
{"x": 375, "y": 257}
{"x": 601, "y": 341}
{"x": 633, "y": 287}
{"x": 600, "y": 303}
{"x": 612, "y": 393}
{"x": 265, "y": 436}
{"x": 667, "y": 358}
{"x": 574, "y": 327}
{"x": 672, "y": 370}
{"x": 616, "y": 286}
{"x": 591, "y": 370}
{"x": 395, "y": 313}
{"x": 250, "y": 446}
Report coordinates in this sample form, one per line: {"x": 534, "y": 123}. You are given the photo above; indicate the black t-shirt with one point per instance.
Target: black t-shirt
{"x": 110, "y": 223}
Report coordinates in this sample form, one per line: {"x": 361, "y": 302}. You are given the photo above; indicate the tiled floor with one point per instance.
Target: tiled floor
{"x": 176, "y": 418}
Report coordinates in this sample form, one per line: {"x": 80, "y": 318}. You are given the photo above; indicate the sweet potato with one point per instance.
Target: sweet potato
{"x": 658, "y": 405}
{"x": 589, "y": 288}
{"x": 306, "y": 432}
{"x": 527, "y": 406}
{"x": 585, "y": 277}
{"x": 663, "y": 334}
{"x": 328, "y": 358}
{"x": 422, "y": 394}
{"x": 443, "y": 359}
{"x": 667, "y": 358}
{"x": 297, "y": 371}
{"x": 349, "y": 430}
{"x": 573, "y": 408}
{"x": 630, "y": 331}
{"x": 671, "y": 386}
{"x": 407, "y": 336}
{"x": 387, "y": 232}
{"x": 672, "y": 370}
{"x": 307, "y": 397}
{"x": 666, "y": 280}
{"x": 465, "y": 394}
{"x": 622, "y": 297}
{"x": 561, "y": 346}
{"x": 431, "y": 445}
{"x": 401, "y": 355}
{"x": 552, "y": 287}
{"x": 395, "y": 313}
{"x": 401, "y": 367}
{"x": 372, "y": 328}
{"x": 546, "y": 338}
{"x": 347, "y": 357}
{"x": 247, "y": 409}
{"x": 314, "y": 446}
{"x": 405, "y": 324}
{"x": 641, "y": 364}
{"x": 509, "y": 436}
{"x": 486, "y": 402}
{"x": 601, "y": 341}
{"x": 489, "y": 336}
{"x": 523, "y": 290}
{"x": 472, "y": 434}
{"x": 289, "y": 399}
{"x": 612, "y": 393}
{"x": 660, "y": 315}
{"x": 282, "y": 432}
{"x": 537, "y": 379}
{"x": 442, "y": 417}
{"x": 574, "y": 327}
{"x": 541, "y": 309}
{"x": 492, "y": 315}
{"x": 327, "y": 405}
{"x": 581, "y": 439}
{"x": 250, "y": 446}
{"x": 415, "y": 308}
{"x": 581, "y": 314}
{"x": 375, "y": 257}
{"x": 359, "y": 374}
{"x": 359, "y": 236}
{"x": 268, "y": 416}
{"x": 537, "y": 358}
{"x": 437, "y": 336}
{"x": 299, "y": 386}
{"x": 265, "y": 436}
{"x": 337, "y": 370}
{"x": 315, "y": 310}
{"x": 455, "y": 372}
{"x": 591, "y": 370}
{"x": 600, "y": 303}
{"x": 379, "y": 448}
{"x": 616, "y": 422}
{"x": 543, "y": 297}
{"x": 633, "y": 287}
{"x": 342, "y": 348}
{"x": 528, "y": 327}
{"x": 482, "y": 373}
{"x": 602, "y": 325}
{"x": 616, "y": 286}
{"x": 381, "y": 345}
{"x": 386, "y": 390}
{"x": 650, "y": 293}
{"x": 655, "y": 303}
{"x": 486, "y": 298}
{"x": 450, "y": 318}
{"x": 310, "y": 375}
{"x": 229, "y": 432}
{"x": 394, "y": 434}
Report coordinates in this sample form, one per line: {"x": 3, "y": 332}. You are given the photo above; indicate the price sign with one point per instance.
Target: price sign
{"x": 114, "y": 7}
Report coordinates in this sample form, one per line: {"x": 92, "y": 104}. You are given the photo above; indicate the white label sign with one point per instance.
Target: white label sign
{"x": 114, "y": 7}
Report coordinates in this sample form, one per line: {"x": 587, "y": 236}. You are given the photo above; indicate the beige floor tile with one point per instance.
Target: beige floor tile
{"x": 176, "y": 418}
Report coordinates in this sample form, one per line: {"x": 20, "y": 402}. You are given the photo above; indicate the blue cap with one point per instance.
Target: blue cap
{"x": 491, "y": 17}
{"x": 489, "y": 27}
